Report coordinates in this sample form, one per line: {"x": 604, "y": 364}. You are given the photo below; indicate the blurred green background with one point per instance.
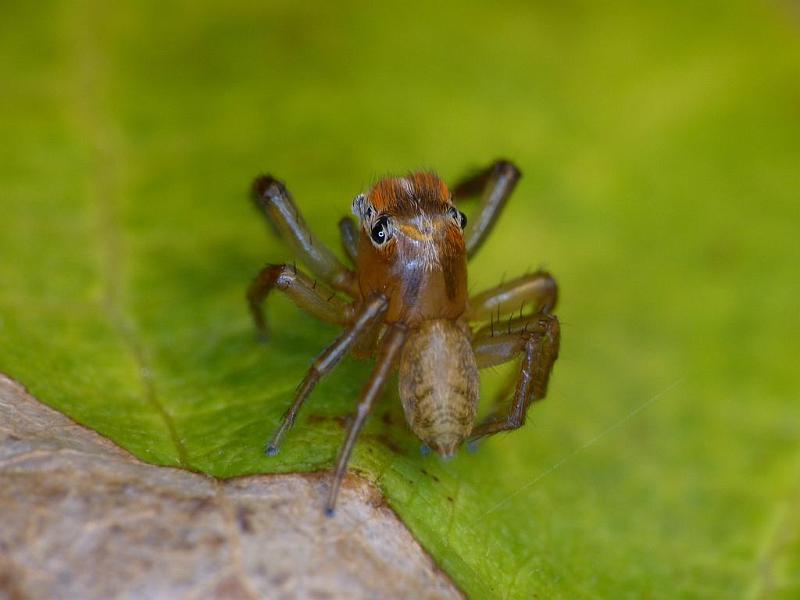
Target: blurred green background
{"x": 660, "y": 144}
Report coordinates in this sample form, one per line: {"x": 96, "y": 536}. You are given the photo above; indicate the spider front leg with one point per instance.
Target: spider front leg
{"x": 391, "y": 344}
{"x": 495, "y": 185}
{"x": 273, "y": 198}
{"x": 371, "y": 312}
{"x": 536, "y": 338}
{"x": 304, "y": 292}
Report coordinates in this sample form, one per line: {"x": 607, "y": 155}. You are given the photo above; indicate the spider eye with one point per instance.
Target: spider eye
{"x": 380, "y": 231}
{"x": 459, "y": 217}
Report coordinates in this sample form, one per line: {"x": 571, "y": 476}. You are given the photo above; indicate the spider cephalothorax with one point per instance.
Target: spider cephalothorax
{"x": 411, "y": 248}
{"x": 409, "y": 305}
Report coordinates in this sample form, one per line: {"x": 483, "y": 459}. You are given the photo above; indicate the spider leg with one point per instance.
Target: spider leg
{"x": 271, "y": 196}
{"x": 503, "y": 393}
{"x": 367, "y": 342}
{"x": 304, "y": 292}
{"x": 536, "y": 338}
{"x": 349, "y": 233}
{"x": 390, "y": 347}
{"x": 495, "y": 185}
{"x": 538, "y": 289}
{"x": 325, "y": 362}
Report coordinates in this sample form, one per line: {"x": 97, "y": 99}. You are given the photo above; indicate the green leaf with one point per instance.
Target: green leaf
{"x": 660, "y": 145}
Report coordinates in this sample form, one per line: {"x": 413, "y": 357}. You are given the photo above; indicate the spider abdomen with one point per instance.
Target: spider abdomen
{"x": 439, "y": 384}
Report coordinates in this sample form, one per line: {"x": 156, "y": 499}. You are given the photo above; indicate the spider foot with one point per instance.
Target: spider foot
{"x": 271, "y": 450}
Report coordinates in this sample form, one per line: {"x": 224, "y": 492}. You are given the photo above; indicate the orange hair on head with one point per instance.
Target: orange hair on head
{"x": 407, "y": 195}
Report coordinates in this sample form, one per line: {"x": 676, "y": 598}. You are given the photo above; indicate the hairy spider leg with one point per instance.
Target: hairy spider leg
{"x": 495, "y": 184}
{"x": 532, "y": 294}
{"x": 325, "y": 362}
{"x": 537, "y": 339}
{"x": 539, "y": 291}
{"x": 390, "y": 347}
{"x": 273, "y": 198}
{"x": 305, "y": 293}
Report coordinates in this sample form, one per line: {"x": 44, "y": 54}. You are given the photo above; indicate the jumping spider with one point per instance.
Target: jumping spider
{"x": 409, "y": 306}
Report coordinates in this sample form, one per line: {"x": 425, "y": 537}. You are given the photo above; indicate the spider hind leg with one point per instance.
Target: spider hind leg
{"x": 536, "y": 338}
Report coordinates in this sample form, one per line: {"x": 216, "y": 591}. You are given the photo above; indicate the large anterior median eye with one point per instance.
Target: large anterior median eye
{"x": 459, "y": 216}
{"x": 380, "y": 231}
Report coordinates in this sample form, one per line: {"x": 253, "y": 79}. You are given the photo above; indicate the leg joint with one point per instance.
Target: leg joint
{"x": 541, "y": 325}
{"x": 506, "y": 168}
{"x": 285, "y": 276}
{"x": 280, "y": 276}
{"x": 266, "y": 189}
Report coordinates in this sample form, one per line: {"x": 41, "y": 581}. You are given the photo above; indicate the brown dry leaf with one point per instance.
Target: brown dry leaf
{"x": 82, "y": 518}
